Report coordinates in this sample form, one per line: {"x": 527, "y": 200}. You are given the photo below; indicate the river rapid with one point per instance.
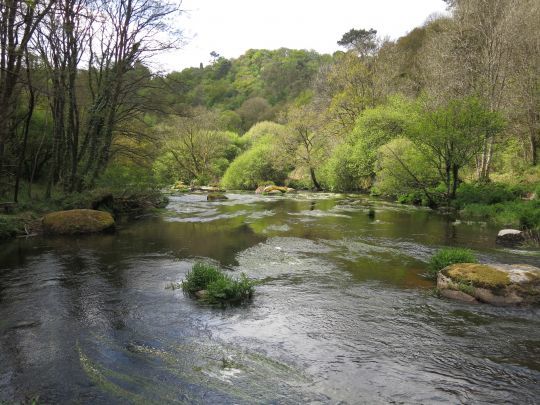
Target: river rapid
{"x": 342, "y": 313}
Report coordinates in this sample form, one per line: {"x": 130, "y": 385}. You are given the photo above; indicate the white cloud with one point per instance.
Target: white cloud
{"x": 230, "y": 27}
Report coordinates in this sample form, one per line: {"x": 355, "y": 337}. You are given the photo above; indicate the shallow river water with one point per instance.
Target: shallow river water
{"x": 342, "y": 314}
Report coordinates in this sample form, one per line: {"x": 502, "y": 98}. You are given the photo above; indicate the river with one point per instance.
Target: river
{"x": 342, "y": 313}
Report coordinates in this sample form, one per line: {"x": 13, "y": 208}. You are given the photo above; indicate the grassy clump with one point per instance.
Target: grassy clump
{"x": 447, "y": 256}
{"x": 219, "y": 287}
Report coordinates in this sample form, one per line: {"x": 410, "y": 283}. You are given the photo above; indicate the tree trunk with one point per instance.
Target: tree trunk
{"x": 316, "y": 184}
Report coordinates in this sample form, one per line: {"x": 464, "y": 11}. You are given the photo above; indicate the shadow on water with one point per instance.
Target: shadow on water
{"x": 342, "y": 313}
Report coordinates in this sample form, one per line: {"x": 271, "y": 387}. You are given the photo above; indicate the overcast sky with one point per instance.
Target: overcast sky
{"x": 230, "y": 27}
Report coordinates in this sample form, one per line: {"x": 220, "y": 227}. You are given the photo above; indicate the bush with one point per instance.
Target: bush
{"x": 220, "y": 287}
{"x": 524, "y": 214}
{"x": 490, "y": 193}
{"x": 447, "y": 256}
{"x": 259, "y": 164}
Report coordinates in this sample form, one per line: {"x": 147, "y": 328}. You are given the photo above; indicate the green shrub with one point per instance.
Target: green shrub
{"x": 220, "y": 287}
{"x": 490, "y": 193}
{"x": 259, "y": 164}
{"x": 447, "y": 256}
{"x": 524, "y": 214}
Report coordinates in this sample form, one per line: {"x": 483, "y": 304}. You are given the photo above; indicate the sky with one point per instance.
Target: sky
{"x": 231, "y": 27}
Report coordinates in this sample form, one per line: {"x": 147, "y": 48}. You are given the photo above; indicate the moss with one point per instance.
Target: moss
{"x": 77, "y": 221}
{"x": 478, "y": 275}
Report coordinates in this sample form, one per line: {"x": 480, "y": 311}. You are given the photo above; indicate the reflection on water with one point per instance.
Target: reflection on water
{"x": 342, "y": 314}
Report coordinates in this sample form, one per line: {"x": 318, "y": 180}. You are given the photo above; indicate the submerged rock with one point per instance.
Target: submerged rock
{"x": 510, "y": 236}
{"x": 216, "y": 197}
{"x": 77, "y": 221}
{"x": 496, "y": 284}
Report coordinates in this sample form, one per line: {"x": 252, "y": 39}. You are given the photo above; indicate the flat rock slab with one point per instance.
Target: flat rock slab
{"x": 496, "y": 284}
{"x": 77, "y": 222}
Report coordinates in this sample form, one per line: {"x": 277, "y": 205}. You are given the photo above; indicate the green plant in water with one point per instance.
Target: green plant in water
{"x": 219, "y": 287}
{"x": 447, "y": 256}
{"x": 200, "y": 276}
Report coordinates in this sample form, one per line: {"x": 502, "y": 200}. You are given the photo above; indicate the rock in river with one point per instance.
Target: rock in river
{"x": 77, "y": 221}
{"x": 510, "y": 236}
{"x": 216, "y": 197}
{"x": 496, "y": 284}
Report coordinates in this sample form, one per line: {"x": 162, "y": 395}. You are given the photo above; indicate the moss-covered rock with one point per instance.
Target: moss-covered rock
{"x": 77, "y": 222}
{"x": 497, "y": 284}
{"x": 216, "y": 197}
{"x": 271, "y": 189}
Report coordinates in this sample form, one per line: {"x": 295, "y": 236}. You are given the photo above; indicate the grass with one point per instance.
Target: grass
{"x": 447, "y": 256}
{"x": 219, "y": 287}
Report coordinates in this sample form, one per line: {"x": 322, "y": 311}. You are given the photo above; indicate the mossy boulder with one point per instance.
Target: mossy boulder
{"x": 496, "y": 284}
{"x": 216, "y": 197}
{"x": 271, "y": 189}
{"x": 77, "y": 222}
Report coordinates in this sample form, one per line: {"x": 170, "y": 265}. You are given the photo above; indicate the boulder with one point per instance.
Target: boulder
{"x": 77, "y": 222}
{"x": 496, "y": 284}
{"x": 216, "y": 197}
{"x": 271, "y": 189}
{"x": 510, "y": 236}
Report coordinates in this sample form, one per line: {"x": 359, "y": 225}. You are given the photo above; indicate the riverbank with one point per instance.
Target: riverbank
{"x": 25, "y": 217}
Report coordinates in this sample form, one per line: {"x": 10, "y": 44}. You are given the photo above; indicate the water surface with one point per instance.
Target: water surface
{"x": 343, "y": 314}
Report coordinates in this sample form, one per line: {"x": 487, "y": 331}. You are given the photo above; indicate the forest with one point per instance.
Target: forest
{"x": 447, "y": 116}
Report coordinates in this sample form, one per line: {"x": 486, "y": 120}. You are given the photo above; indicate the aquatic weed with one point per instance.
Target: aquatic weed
{"x": 219, "y": 287}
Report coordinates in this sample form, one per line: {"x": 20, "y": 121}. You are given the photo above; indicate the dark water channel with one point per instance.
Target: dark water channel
{"x": 343, "y": 314}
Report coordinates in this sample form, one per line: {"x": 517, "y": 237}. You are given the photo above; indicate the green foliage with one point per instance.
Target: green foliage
{"x": 220, "y": 287}
{"x": 264, "y": 161}
{"x": 352, "y": 165}
{"x": 10, "y": 226}
{"x": 264, "y": 129}
{"x": 229, "y": 290}
{"x": 404, "y": 170}
{"x": 128, "y": 178}
{"x": 523, "y": 214}
{"x": 255, "y": 166}
{"x": 487, "y": 193}
{"x": 447, "y": 256}
{"x": 200, "y": 276}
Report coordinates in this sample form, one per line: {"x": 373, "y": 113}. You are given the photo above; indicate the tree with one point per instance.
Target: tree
{"x": 306, "y": 141}
{"x": 362, "y": 41}
{"x": 451, "y": 136}
{"x": 19, "y": 20}
{"x": 194, "y": 149}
